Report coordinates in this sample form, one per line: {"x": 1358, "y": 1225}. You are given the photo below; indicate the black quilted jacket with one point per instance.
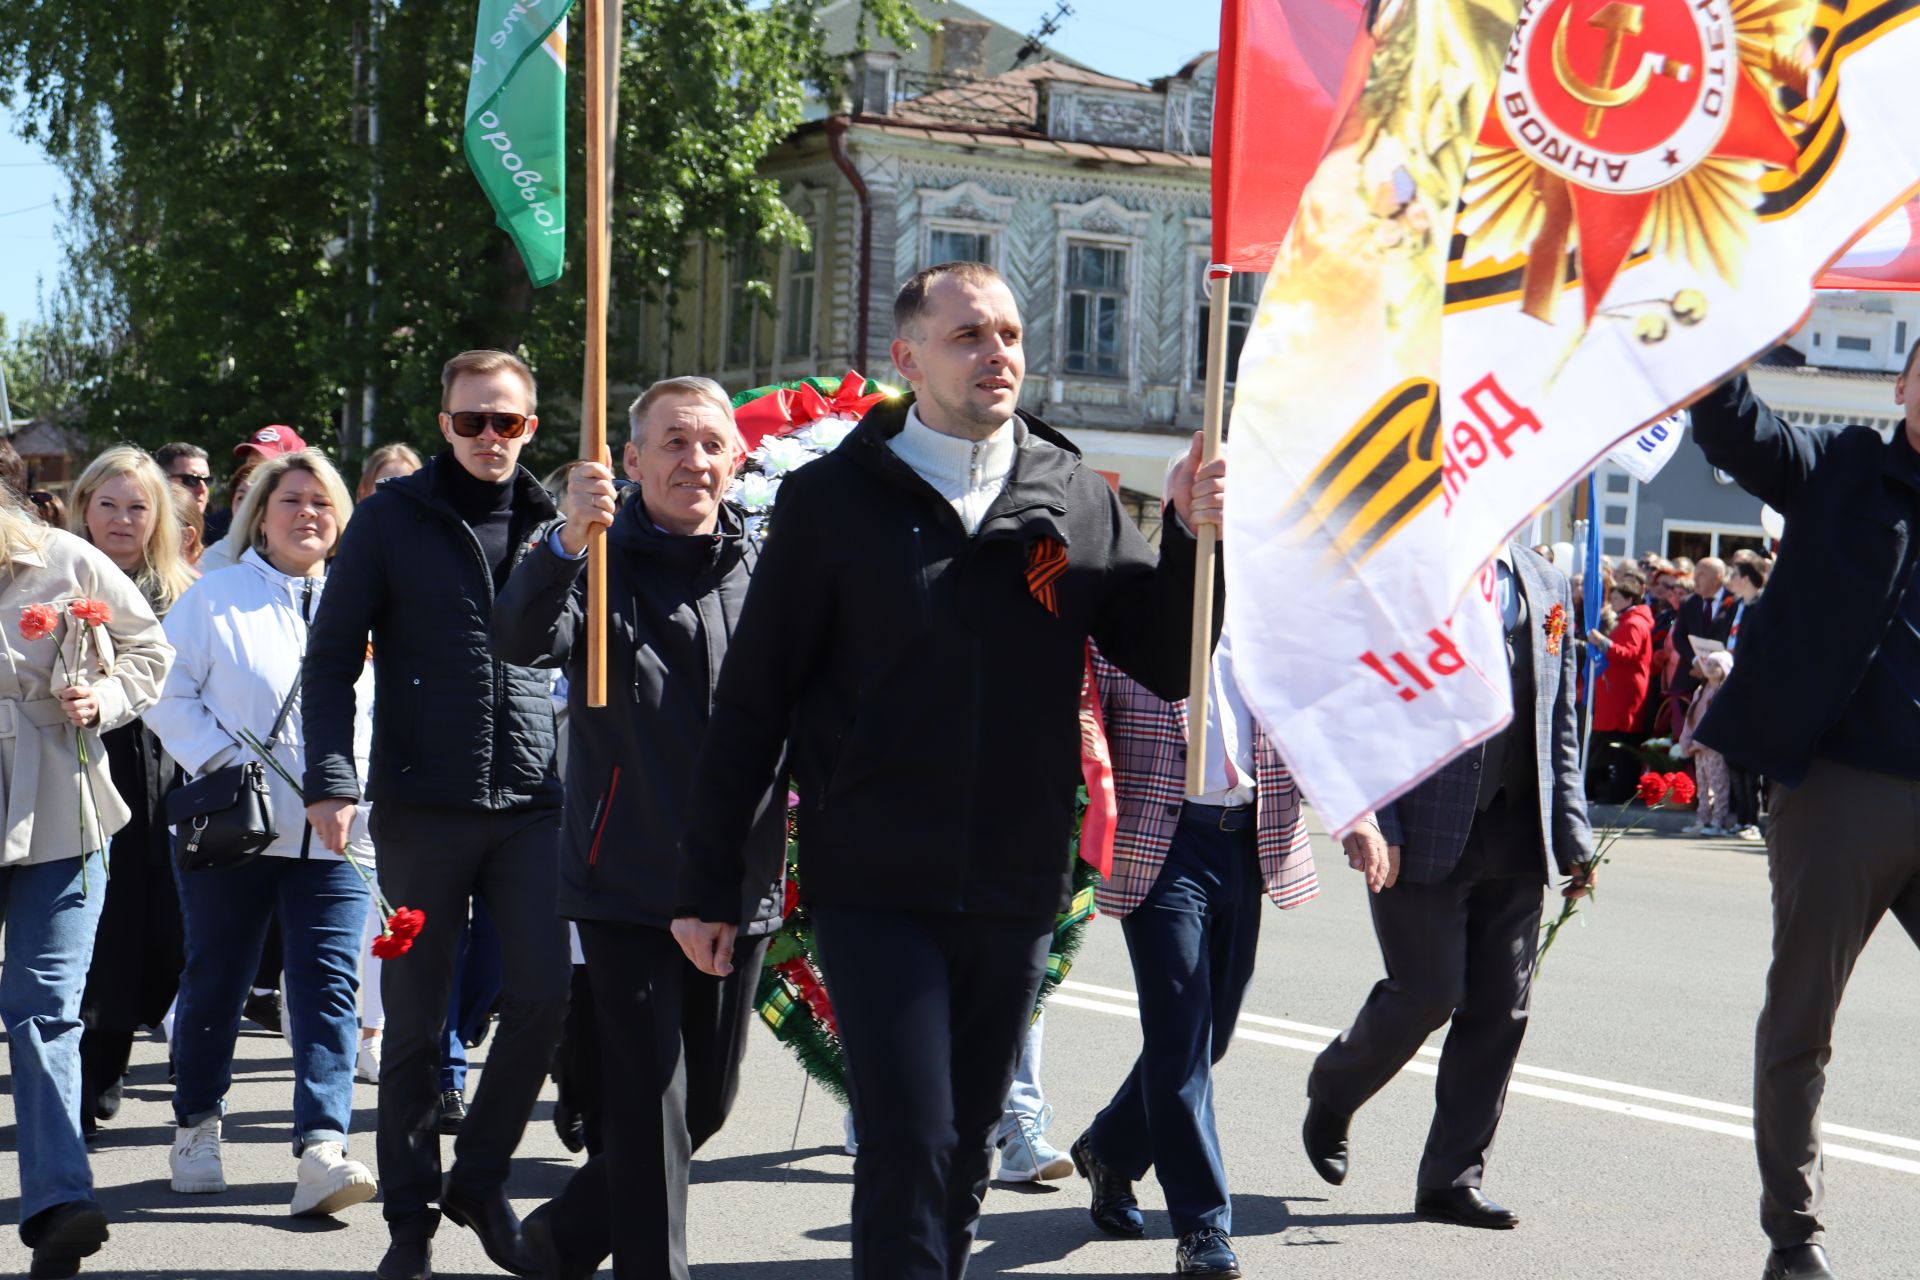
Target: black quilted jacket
{"x": 451, "y": 726}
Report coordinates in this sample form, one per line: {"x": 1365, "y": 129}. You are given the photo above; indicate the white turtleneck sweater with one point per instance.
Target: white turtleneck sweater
{"x": 968, "y": 473}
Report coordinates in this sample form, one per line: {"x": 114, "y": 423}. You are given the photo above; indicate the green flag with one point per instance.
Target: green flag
{"x": 516, "y": 134}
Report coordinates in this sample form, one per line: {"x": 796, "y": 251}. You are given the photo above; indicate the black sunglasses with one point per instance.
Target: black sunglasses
{"x": 39, "y": 497}
{"x": 467, "y": 424}
{"x": 191, "y": 481}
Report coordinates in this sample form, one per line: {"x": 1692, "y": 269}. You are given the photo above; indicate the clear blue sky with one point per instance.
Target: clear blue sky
{"x": 1137, "y": 39}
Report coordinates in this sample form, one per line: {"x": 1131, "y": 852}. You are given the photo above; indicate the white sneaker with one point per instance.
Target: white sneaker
{"x": 195, "y": 1159}
{"x": 1027, "y": 1156}
{"x": 329, "y": 1182}
{"x": 852, "y": 1144}
{"x": 1694, "y": 829}
{"x": 366, "y": 1063}
{"x": 1748, "y": 833}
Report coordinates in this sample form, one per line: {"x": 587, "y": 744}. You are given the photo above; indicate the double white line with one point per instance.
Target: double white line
{"x": 1538, "y": 1082}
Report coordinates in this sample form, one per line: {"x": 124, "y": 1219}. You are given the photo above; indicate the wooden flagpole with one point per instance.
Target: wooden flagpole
{"x": 593, "y": 417}
{"x": 1200, "y": 667}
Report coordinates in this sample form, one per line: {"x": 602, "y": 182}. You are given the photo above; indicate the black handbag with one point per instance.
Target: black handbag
{"x": 224, "y": 819}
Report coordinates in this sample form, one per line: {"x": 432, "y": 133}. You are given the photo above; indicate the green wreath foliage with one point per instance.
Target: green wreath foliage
{"x": 792, "y": 997}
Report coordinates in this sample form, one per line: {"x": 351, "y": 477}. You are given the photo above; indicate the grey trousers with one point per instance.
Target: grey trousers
{"x": 1843, "y": 849}
{"x": 1460, "y": 949}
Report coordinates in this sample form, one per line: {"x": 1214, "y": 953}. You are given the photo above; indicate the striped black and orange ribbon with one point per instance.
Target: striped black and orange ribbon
{"x": 1046, "y": 561}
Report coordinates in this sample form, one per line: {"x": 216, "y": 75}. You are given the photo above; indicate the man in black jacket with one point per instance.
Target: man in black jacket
{"x": 465, "y": 801}
{"x": 671, "y": 1038}
{"x": 1824, "y": 700}
{"x": 919, "y": 623}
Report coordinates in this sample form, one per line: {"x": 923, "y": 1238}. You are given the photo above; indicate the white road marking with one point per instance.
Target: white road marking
{"x": 1309, "y": 1038}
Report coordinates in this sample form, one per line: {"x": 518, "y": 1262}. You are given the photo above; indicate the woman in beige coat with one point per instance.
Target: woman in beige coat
{"x": 53, "y": 876}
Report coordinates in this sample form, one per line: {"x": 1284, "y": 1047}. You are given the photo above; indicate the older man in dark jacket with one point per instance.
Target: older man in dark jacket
{"x": 671, "y": 1037}
{"x": 1825, "y": 700}
{"x": 465, "y": 800}
{"x": 1458, "y": 913}
{"x": 919, "y": 626}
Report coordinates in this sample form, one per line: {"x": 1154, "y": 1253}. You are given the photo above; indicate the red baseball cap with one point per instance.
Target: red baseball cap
{"x": 271, "y": 442}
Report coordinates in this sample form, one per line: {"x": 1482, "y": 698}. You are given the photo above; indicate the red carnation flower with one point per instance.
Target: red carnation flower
{"x": 792, "y": 901}
{"x": 97, "y": 613}
{"x": 1680, "y": 788}
{"x": 1653, "y": 789}
{"x": 406, "y": 922}
{"x": 37, "y": 621}
{"x": 391, "y": 947}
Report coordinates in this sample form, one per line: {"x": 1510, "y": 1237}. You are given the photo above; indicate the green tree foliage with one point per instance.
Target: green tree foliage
{"x": 228, "y": 266}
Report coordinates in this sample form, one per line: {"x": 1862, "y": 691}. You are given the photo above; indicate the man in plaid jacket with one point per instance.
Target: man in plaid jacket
{"x": 1457, "y": 903}
{"x": 1188, "y": 877}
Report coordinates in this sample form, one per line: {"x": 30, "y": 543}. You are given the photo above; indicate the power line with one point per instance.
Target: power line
{"x": 44, "y": 204}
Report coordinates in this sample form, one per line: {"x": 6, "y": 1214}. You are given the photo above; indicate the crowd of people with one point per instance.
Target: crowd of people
{"x": 910, "y": 650}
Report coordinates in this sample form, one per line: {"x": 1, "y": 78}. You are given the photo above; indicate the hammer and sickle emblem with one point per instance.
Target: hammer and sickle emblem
{"x": 1619, "y": 20}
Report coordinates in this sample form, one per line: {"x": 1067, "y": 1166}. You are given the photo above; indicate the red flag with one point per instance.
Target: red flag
{"x": 1288, "y": 72}
{"x": 1887, "y": 256}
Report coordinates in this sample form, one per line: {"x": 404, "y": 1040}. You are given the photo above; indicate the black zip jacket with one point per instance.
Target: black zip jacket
{"x": 1850, "y": 503}
{"x": 933, "y": 700}
{"x": 452, "y": 726}
{"x": 672, "y": 604}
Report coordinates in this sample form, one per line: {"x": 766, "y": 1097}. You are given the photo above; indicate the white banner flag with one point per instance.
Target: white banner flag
{"x": 1649, "y": 451}
{"x": 1646, "y": 193}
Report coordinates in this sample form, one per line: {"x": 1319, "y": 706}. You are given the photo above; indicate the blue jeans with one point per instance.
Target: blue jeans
{"x": 49, "y": 927}
{"x": 477, "y": 979}
{"x": 1192, "y": 942}
{"x": 1026, "y": 1097}
{"x": 322, "y": 907}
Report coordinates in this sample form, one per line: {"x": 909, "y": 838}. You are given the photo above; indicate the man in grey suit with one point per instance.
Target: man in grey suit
{"x": 1458, "y": 895}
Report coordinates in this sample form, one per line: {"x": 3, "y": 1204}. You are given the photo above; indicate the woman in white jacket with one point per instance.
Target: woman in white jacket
{"x": 240, "y": 634}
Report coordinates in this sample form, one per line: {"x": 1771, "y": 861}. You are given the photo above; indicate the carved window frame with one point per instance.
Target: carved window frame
{"x": 966, "y": 208}
{"x": 1102, "y": 221}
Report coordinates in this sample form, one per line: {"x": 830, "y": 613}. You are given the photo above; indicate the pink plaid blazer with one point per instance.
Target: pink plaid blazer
{"x": 1148, "y": 740}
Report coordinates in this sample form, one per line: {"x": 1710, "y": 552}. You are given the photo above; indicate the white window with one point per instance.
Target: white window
{"x": 949, "y": 244}
{"x": 743, "y": 310}
{"x": 1243, "y": 297}
{"x": 1096, "y": 309}
{"x": 797, "y": 301}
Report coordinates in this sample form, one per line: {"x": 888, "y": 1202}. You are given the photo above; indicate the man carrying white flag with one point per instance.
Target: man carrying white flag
{"x": 1545, "y": 224}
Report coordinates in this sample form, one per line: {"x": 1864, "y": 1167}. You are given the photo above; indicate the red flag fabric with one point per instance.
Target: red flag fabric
{"x": 1288, "y": 71}
{"x": 1887, "y": 257}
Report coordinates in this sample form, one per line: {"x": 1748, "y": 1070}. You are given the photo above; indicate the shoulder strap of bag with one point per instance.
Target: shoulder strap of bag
{"x": 286, "y": 709}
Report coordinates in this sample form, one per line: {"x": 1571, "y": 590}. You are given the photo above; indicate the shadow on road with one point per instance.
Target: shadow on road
{"x": 775, "y": 1166}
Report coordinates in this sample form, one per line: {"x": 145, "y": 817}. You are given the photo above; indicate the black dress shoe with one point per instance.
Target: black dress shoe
{"x": 63, "y": 1235}
{"x": 407, "y": 1260}
{"x": 263, "y": 1008}
{"x": 1206, "y": 1252}
{"x": 453, "y": 1111}
{"x": 1324, "y": 1133}
{"x": 1114, "y": 1209}
{"x": 1466, "y": 1206}
{"x": 543, "y": 1250}
{"x": 489, "y": 1216}
{"x": 570, "y": 1125}
{"x": 107, "y": 1105}
{"x": 1801, "y": 1262}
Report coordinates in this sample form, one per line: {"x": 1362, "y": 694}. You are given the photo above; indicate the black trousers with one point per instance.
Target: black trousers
{"x": 1461, "y": 948}
{"x": 933, "y": 1010}
{"x": 437, "y": 860}
{"x": 671, "y": 1040}
{"x": 1743, "y": 802}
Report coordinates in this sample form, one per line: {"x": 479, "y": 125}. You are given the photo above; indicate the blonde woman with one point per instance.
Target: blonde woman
{"x": 240, "y": 637}
{"x": 384, "y": 463}
{"x": 123, "y": 504}
{"x": 53, "y": 875}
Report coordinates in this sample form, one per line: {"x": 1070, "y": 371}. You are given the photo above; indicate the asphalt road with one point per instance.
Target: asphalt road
{"x": 1625, "y": 1145}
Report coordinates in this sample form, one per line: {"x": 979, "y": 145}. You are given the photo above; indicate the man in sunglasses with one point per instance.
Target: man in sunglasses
{"x": 186, "y": 466}
{"x": 466, "y": 803}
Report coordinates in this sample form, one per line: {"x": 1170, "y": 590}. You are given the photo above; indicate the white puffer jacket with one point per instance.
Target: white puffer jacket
{"x": 239, "y": 635}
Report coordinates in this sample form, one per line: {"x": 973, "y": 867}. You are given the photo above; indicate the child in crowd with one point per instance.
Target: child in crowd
{"x": 1710, "y": 767}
